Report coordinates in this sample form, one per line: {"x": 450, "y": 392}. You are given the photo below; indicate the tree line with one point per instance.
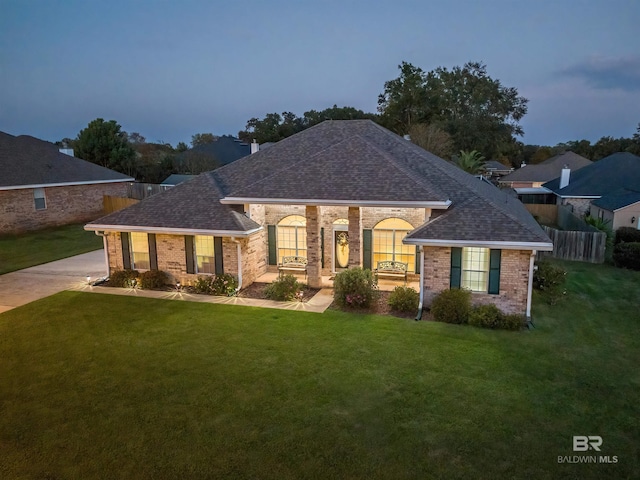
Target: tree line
{"x": 447, "y": 112}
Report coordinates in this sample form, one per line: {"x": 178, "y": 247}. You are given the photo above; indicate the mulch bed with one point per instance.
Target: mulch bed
{"x": 381, "y": 307}
{"x": 256, "y": 290}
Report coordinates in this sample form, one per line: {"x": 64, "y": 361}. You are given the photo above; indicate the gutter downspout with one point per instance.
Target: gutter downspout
{"x": 530, "y": 287}
{"x": 239, "y": 250}
{"x": 419, "y": 316}
{"x": 105, "y": 247}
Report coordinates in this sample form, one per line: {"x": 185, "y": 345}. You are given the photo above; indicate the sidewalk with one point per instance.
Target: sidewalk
{"x": 318, "y": 304}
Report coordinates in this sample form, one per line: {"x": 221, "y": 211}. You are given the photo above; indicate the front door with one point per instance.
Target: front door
{"x": 341, "y": 246}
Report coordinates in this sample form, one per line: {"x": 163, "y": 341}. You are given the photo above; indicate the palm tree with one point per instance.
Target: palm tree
{"x": 471, "y": 162}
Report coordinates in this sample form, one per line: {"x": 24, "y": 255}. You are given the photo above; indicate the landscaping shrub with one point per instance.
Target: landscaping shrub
{"x": 355, "y": 287}
{"x": 485, "y": 316}
{"x": 549, "y": 279}
{"x": 203, "y": 285}
{"x": 153, "y": 279}
{"x": 404, "y": 299}
{"x": 285, "y": 288}
{"x": 452, "y": 306}
{"x": 123, "y": 278}
{"x": 511, "y": 321}
{"x": 224, "y": 284}
{"x": 627, "y": 255}
{"x": 627, "y": 234}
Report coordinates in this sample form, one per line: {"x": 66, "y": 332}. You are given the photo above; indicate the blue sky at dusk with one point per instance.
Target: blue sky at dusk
{"x": 171, "y": 69}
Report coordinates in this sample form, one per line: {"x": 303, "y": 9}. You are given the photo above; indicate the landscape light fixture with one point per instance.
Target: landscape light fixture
{"x": 88, "y": 280}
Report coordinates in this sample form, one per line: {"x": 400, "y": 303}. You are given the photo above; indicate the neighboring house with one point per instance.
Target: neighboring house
{"x": 222, "y": 151}
{"x": 495, "y": 170}
{"x": 175, "y": 179}
{"x": 341, "y": 194}
{"x": 620, "y": 210}
{"x": 527, "y": 181}
{"x": 42, "y": 187}
{"x": 616, "y": 175}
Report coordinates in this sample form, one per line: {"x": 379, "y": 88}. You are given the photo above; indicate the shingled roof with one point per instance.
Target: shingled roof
{"x": 609, "y": 175}
{"x": 27, "y": 162}
{"x": 616, "y": 201}
{"x": 549, "y": 169}
{"x": 350, "y": 162}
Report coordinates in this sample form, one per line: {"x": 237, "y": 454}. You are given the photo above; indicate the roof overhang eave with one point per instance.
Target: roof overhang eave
{"x": 439, "y": 204}
{"x": 171, "y": 230}
{"x": 540, "y": 246}
{"x": 65, "y": 184}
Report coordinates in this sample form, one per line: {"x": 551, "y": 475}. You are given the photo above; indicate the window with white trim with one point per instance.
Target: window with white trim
{"x": 204, "y": 253}
{"x": 39, "y": 199}
{"x": 387, "y": 243}
{"x": 292, "y": 237}
{"x": 475, "y": 269}
{"x": 139, "y": 248}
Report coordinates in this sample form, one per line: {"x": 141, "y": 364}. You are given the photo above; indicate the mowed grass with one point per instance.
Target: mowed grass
{"x": 100, "y": 386}
{"x": 35, "y": 248}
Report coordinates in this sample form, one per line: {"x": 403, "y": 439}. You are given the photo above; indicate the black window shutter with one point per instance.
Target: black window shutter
{"x": 217, "y": 252}
{"x": 494, "y": 271}
{"x": 366, "y": 249}
{"x": 273, "y": 253}
{"x": 418, "y": 266}
{"x": 322, "y": 247}
{"x": 188, "y": 250}
{"x": 153, "y": 254}
{"x": 126, "y": 254}
{"x": 456, "y": 267}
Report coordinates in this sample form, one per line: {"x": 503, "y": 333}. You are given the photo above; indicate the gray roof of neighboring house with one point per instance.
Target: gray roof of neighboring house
{"x": 175, "y": 179}
{"x": 223, "y": 150}
{"x": 495, "y": 165}
{"x": 549, "y": 169}
{"x": 609, "y": 175}
{"x": 616, "y": 201}
{"x": 27, "y": 161}
{"x": 350, "y": 161}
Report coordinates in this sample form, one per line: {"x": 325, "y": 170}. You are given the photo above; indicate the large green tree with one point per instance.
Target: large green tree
{"x": 103, "y": 142}
{"x": 202, "y": 139}
{"x": 477, "y": 111}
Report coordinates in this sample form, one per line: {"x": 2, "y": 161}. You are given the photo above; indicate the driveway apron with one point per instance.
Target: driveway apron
{"x": 33, "y": 283}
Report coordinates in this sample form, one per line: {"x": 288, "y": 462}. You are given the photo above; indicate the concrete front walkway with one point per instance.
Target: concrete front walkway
{"x": 33, "y": 283}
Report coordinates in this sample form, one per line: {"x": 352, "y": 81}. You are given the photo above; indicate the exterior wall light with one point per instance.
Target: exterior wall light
{"x": 633, "y": 219}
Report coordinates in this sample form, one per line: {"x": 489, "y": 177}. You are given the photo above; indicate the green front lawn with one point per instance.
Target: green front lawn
{"x": 35, "y": 248}
{"x": 100, "y": 386}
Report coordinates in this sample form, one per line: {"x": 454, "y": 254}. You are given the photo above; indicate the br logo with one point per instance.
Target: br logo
{"x": 583, "y": 443}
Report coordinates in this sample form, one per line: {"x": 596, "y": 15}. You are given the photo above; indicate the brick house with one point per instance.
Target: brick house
{"x": 341, "y": 194}
{"x": 42, "y": 187}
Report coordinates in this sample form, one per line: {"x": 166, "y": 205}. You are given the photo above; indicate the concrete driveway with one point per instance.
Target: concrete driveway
{"x": 25, "y": 286}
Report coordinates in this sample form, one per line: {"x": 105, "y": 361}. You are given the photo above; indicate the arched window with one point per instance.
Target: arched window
{"x": 292, "y": 237}
{"x": 387, "y": 243}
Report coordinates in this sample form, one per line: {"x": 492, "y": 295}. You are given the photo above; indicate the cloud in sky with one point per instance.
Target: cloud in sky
{"x": 608, "y": 73}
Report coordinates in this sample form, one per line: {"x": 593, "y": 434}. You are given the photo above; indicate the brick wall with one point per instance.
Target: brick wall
{"x": 64, "y": 205}
{"x": 514, "y": 275}
{"x": 580, "y": 205}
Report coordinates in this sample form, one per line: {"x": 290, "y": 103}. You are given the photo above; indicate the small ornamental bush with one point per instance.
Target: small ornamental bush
{"x": 355, "y": 287}
{"x": 203, "y": 285}
{"x": 404, "y": 299}
{"x": 627, "y": 255}
{"x": 485, "y": 316}
{"x": 123, "y": 278}
{"x": 153, "y": 279}
{"x": 224, "y": 284}
{"x": 549, "y": 279}
{"x": 627, "y": 234}
{"x": 511, "y": 321}
{"x": 452, "y": 306}
{"x": 285, "y": 289}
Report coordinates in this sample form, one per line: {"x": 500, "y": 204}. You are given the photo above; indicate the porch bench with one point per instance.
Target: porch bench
{"x": 389, "y": 268}
{"x": 294, "y": 264}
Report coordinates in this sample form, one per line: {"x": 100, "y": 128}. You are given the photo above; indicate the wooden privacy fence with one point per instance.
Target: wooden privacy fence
{"x": 141, "y": 191}
{"x": 576, "y": 245}
{"x": 544, "y": 213}
{"x": 113, "y": 204}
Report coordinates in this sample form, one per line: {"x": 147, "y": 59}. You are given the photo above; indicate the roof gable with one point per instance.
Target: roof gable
{"x": 549, "y": 169}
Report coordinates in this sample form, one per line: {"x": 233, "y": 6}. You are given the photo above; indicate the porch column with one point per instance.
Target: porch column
{"x": 355, "y": 237}
{"x": 314, "y": 255}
